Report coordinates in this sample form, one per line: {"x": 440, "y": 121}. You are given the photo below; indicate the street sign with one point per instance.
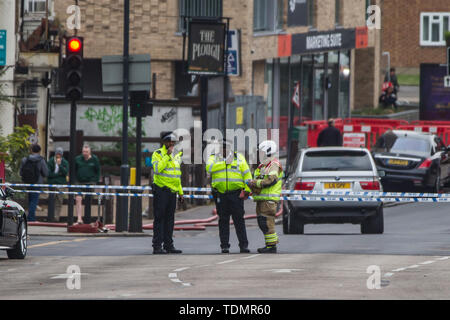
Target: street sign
{"x": 447, "y": 82}
{"x": 140, "y": 73}
{"x": 233, "y": 54}
{"x": 354, "y": 140}
{"x": 206, "y": 47}
{"x": 2, "y": 48}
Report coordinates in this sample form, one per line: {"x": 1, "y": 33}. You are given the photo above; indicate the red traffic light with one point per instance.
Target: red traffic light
{"x": 74, "y": 45}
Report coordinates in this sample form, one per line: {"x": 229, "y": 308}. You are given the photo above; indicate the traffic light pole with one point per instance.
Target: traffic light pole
{"x": 73, "y": 141}
{"x": 122, "y": 216}
{"x": 136, "y": 202}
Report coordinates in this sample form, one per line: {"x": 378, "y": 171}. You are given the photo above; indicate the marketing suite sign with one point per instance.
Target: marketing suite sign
{"x": 206, "y": 47}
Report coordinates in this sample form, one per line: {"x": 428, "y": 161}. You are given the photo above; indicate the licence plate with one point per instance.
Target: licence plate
{"x": 398, "y": 162}
{"x": 337, "y": 185}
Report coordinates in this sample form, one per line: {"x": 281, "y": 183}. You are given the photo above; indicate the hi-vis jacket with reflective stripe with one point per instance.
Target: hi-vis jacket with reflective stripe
{"x": 228, "y": 177}
{"x": 166, "y": 170}
{"x": 269, "y": 176}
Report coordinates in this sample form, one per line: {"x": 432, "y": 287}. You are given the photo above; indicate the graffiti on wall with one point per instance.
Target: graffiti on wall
{"x": 108, "y": 119}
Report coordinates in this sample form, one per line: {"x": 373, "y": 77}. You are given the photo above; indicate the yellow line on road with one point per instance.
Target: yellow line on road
{"x": 56, "y": 242}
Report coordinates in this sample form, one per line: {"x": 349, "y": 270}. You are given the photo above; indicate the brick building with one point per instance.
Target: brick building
{"x": 413, "y": 31}
{"x": 281, "y": 42}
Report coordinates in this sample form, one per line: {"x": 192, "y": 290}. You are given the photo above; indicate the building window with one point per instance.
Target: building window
{"x": 199, "y": 9}
{"x": 28, "y": 97}
{"x": 268, "y": 15}
{"x": 368, "y": 4}
{"x": 311, "y": 13}
{"x": 35, "y": 6}
{"x": 337, "y": 13}
{"x": 433, "y": 26}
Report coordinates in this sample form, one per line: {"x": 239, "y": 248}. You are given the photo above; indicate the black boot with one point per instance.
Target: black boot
{"x": 159, "y": 251}
{"x": 173, "y": 250}
{"x": 245, "y": 250}
{"x": 268, "y": 249}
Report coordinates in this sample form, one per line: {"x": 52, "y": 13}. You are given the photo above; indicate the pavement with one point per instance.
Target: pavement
{"x": 409, "y": 96}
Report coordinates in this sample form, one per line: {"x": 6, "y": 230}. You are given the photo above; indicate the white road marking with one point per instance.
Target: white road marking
{"x": 389, "y": 274}
{"x": 443, "y": 258}
{"x": 250, "y": 257}
{"x": 283, "y": 270}
{"x": 173, "y": 275}
{"x": 226, "y": 261}
{"x": 181, "y": 269}
{"x": 176, "y": 280}
{"x": 399, "y": 269}
{"x": 413, "y": 266}
{"x": 427, "y": 262}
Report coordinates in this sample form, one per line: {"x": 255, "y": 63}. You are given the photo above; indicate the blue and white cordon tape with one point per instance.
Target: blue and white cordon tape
{"x": 293, "y": 195}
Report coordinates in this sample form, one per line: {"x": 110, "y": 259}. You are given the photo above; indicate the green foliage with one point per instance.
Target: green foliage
{"x": 16, "y": 146}
{"x": 447, "y": 36}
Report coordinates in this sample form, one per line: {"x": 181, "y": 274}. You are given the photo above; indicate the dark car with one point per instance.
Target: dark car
{"x": 333, "y": 169}
{"x": 13, "y": 226}
{"x": 412, "y": 161}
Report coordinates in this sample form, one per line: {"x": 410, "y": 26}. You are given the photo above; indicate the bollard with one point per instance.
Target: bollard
{"x": 135, "y": 206}
{"x": 109, "y": 203}
{"x": 51, "y": 207}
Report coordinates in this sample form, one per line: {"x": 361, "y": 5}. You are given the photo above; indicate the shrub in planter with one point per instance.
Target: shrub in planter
{"x": 447, "y": 38}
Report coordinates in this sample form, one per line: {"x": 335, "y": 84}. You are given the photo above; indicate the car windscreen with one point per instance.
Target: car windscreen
{"x": 409, "y": 145}
{"x": 337, "y": 161}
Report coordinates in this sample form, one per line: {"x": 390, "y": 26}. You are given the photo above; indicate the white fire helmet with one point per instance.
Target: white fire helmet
{"x": 269, "y": 147}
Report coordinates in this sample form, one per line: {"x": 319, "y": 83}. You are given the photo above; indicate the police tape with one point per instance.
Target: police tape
{"x": 294, "y": 198}
{"x": 288, "y": 192}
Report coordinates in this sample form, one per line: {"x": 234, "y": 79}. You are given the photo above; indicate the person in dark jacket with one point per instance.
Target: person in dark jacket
{"x": 87, "y": 168}
{"x": 330, "y": 136}
{"x": 392, "y": 77}
{"x": 38, "y": 164}
{"x": 58, "y": 168}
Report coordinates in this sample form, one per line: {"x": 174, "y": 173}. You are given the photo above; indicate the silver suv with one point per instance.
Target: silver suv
{"x": 333, "y": 169}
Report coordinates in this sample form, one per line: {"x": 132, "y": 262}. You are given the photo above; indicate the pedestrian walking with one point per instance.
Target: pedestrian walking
{"x": 229, "y": 176}
{"x": 58, "y": 168}
{"x": 330, "y": 136}
{"x": 166, "y": 185}
{"x": 87, "y": 171}
{"x": 33, "y": 170}
{"x": 266, "y": 188}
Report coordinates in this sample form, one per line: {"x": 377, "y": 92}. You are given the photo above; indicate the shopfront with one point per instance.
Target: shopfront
{"x": 320, "y": 62}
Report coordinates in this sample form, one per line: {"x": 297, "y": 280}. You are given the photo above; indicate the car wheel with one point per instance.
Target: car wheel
{"x": 295, "y": 223}
{"x": 437, "y": 184}
{"x": 20, "y": 250}
{"x": 373, "y": 224}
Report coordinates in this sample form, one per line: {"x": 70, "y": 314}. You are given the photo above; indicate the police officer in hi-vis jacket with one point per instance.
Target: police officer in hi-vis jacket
{"x": 229, "y": 173}
{"x": 166, "y": 186}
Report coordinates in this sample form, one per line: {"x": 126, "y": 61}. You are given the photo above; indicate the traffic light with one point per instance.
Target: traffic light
{"x": 73, "y": 68}
{"x": 140, "y": 106}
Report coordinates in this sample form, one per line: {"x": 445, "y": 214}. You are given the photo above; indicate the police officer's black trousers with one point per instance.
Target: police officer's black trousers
{"x": 229, "y": 204}
{"x": 164, "y": 205}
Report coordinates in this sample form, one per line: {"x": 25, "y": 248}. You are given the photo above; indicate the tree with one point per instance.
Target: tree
{"x": 15, "y": 146}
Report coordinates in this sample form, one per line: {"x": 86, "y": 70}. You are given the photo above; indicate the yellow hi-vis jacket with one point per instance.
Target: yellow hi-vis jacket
{"x": 166, "y": 170}
{"x": 228, "y": 177}
{"x": 270, "y": 186}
